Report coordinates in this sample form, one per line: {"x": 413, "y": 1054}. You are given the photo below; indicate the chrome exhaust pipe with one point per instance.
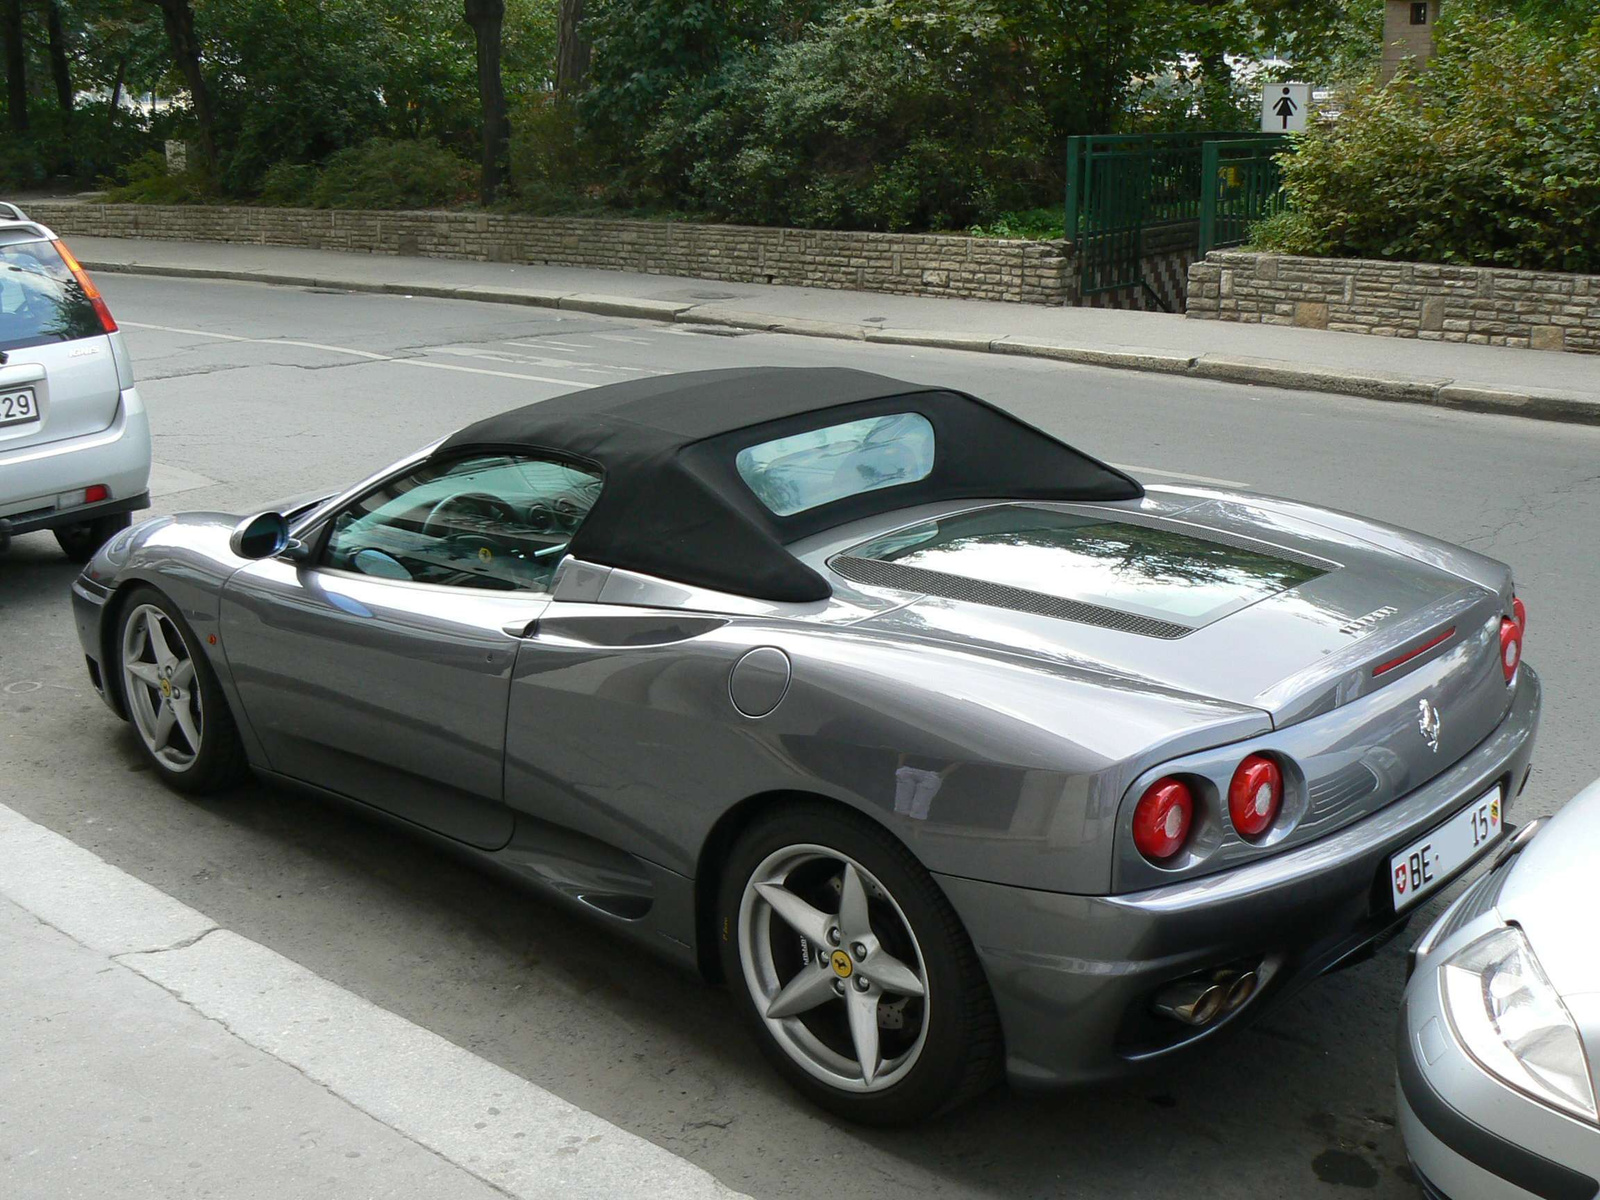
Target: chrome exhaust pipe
{"x": 1192, "y": 1001}
{"x": 1240, "y": 991}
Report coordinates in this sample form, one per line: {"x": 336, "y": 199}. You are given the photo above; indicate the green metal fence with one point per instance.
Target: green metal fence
{"x": 1241, "y": 183}
{"x": 1122, "y": 190}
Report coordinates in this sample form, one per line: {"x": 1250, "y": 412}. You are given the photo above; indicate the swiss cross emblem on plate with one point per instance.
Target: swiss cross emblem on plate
{"x": 1400, "y": 874}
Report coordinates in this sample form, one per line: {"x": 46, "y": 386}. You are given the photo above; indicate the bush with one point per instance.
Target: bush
{"x": 147, "y": 181}
{"x": 1030, "y": 225}
{"x": 289, "y": 184}
{"x": 1491, "y": 157}
{"x": 92, "y": 143}
{"x": 552, "y": 166}
{"x": 868, "y": 121}
{"x": 387, "y": 174}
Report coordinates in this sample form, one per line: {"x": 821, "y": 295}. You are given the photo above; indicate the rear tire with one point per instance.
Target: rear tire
{"x": 173, "y": 698}
{"x": 79, "y": 542}
{"x": 828, "y": 930}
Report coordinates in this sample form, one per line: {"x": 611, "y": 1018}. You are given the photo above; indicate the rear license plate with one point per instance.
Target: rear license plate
{"x": 1429, "y": 861}
{"x": 18, "y": 406}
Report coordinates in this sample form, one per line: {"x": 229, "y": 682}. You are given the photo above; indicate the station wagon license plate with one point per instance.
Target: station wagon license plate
{"x": 1429, "y": 861}
{"x": 18, "y": 406}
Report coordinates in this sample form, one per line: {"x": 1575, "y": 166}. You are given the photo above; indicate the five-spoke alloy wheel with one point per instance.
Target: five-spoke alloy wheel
{"x": 852, "y": 969}
{"x": 172, "y": 697}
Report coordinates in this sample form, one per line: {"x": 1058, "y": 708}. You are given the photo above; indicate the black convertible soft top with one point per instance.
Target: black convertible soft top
{"x": 673, "y": 505}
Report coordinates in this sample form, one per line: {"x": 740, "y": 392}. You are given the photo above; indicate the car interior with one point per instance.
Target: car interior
{"x": 497, "y": 522}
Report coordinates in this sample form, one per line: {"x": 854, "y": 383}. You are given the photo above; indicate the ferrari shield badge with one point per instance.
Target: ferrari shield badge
{"x": 1429, "y": 722}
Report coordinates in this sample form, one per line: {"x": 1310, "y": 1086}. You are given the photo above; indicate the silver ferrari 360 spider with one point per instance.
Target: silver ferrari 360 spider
{"x": 954, "y": 751}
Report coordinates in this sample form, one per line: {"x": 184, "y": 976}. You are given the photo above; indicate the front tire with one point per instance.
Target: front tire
{"x": 852, "y": 970}
{"x": 173, "y": 699}
{"x": 79, "y": 542}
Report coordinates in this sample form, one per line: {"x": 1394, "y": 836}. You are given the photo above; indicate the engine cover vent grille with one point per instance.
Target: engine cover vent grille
{"x": 900, "y": 577}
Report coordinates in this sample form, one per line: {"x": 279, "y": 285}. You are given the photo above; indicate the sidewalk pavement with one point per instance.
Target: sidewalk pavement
{"x": 1550, "y": 385}
{"x": 149, "y": 1055}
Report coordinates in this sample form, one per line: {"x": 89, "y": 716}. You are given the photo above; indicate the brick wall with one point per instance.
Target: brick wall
{"x": 904, "y": 264}
{"x": 1544, "y": 310}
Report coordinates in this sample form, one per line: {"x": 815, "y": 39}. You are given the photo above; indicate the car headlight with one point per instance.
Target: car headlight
{"x": 1511, "y": 1019}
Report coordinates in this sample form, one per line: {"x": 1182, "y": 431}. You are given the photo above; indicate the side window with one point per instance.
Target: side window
{"x": 495, "y": 521}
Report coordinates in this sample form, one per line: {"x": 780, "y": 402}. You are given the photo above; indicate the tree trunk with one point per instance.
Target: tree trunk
{"x": 572, "y": 49}
{"x": 60, "y": 65}
{"x": 16, "y": 65}
{"x": 1216, "y": 89}
{"x": 487, "y": 18}
{"x": 116, "y": 94}
{"x": 178, "y": 17}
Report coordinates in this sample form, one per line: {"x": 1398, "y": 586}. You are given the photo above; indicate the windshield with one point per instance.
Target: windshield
{"x": 1155, "y": 571}
{"x": 40, "y": 301}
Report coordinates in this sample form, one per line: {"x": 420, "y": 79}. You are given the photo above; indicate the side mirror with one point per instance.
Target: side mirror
{"x": 261, "y": 536}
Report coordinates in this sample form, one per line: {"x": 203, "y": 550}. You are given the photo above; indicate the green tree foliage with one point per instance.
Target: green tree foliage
{"x": 867, "y": 121}
{"x": 106, "y": 47}
{"x": 1491, "y": 156}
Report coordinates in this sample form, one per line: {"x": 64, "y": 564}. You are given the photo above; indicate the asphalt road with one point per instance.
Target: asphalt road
{"x": 256, "y": 393}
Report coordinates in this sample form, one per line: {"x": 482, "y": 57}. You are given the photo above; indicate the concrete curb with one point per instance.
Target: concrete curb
{"x": 1265, "y": 372}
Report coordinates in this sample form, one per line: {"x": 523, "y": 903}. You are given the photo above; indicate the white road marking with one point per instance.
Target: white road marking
{"x": 531, "y": 360}
{"x": 203, "y": 333}
{"x": 619, "y": 337}
{"x": 369, "y": 355}
{"x": 506, "y": 1131}
{"x": 1133, "y": 470}
{"x": 421, "y": 362}
{"x": 543, "y": 342}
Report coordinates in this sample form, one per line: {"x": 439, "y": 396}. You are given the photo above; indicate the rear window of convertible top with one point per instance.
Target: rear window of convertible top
{"x": 792, "y": 474}
{"x": 40, "y": 301}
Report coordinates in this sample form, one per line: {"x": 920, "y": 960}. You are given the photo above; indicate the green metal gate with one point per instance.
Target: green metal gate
{"x": 1123, "y": 191}
{"x": 1241, "y": 184}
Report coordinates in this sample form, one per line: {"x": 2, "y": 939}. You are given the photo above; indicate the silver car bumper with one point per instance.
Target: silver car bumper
{"x": 117, "y": 457}
{"x": 1074, "y": 976}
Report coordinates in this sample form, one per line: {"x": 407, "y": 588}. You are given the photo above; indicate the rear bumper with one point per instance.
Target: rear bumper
{"x": 1073, "y": 976}
{"x": 33, "y": 477}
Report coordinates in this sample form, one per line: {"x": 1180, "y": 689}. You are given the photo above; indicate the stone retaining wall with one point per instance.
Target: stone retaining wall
{"x": 904, "y": 264}
{"x": 1542, "y": 310}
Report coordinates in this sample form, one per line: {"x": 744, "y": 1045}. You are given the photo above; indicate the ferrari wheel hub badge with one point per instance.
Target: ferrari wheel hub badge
{"x": 842, "y": 966}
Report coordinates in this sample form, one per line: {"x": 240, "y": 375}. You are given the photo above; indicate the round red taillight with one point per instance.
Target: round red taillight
{"x": 1255, "y": 795}
{"x": 1162, "y": 818}
{"x": 1521, "y": 611}
{"x": 1510, "y": 647}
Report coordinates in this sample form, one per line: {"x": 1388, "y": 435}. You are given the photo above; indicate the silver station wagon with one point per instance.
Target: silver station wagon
{"x": 74, "y": 439}
{"x": 954, "y": 752}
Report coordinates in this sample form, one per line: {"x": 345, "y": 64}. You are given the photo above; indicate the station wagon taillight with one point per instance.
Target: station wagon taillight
{"x": 1162, "y": 819}
{"x": 1520, "y": 610}
{"x": 1255, "y": 795}
{"x": 1510, "y": 647}
{"x": 90, "y": 292}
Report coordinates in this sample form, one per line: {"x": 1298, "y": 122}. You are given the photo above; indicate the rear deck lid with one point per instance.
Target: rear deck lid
{"x": 1281, "y": 615}
{"x": 58, "y": 378}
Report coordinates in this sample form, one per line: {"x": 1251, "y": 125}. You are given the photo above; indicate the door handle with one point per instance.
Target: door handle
{"x": 520, "y": 628}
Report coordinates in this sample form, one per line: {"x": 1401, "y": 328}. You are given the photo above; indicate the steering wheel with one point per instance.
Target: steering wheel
{"x": 467, "y": 504}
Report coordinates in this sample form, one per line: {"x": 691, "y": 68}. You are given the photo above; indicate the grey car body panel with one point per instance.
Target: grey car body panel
{"x": 1552, "y": 891}
{"x": 1298, "y": 913}
{"x": 611, "y": 702}
{"x": 1548, "y": 888}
